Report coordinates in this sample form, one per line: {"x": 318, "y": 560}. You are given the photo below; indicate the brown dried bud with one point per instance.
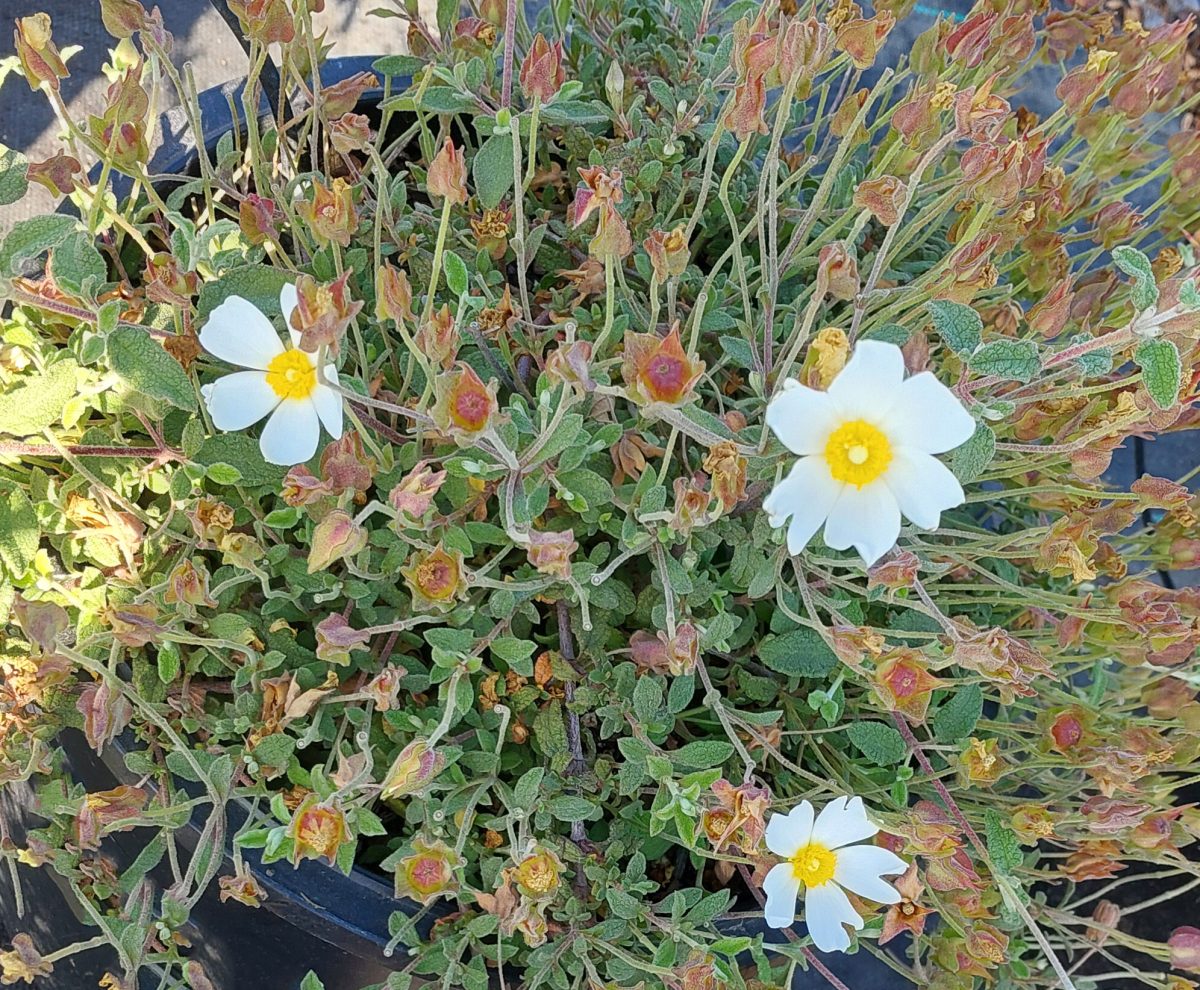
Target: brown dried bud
{"x": 42, "y": 622}
{"x": 569, "y": 363}
{"x": 393, "y": 294}
{"x": 550, "y": 552}
{"x": 105, "y": 714}
{"x": 335, "y": 537}
{"x": 863, "y": 38}
{"x": 342, "y": 97}
{"x": 837, "y": 271}
{"x": 345, "y": 464}
{"x": 884, "y": 197}
{"x": 447, "y": 176}
{"x": 266, "y": 21}
{"x": 258, "y": 218}
{"x": 414, "y": 494}
{"x": 437, "y": 338}
{"x": 542, "y": 73}
{"x": 122, "y": 18}
{"x": 727, "y": 469}
{"x": 350, "y": 132}
{"x": 188, "y": 584}
{"x": 659, "y": 653}
{"x": 330, "y": 214}
{"x": 56, "y": 173}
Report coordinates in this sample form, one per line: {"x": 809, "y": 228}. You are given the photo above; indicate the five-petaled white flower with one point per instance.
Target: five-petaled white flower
{"x": 866, "y": 451}
{"x": 282, "y": 381}
{"x": 820, "y": 855}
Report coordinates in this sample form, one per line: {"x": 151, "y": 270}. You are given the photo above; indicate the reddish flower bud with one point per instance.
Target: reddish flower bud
{"x": 412, "y": 770}
{"x": 837, "y": 271}
{"x": 330, "y": 214}
{"x": 188, "y": 584}
{"x": 657, "y": 369}
{"x": 56, "y": 173}
{"x": 659, "y": 653}
{"x": 342, "y": 97}
{"x": 105, "y": 714}
{"x": 266, "y": 21}
{"x": 435, "y": 579}
{"x": 447, "y": 178}
{"x": 346, "y": 466}
{"x": 258, "y": 218}
{"x": 414, "y": 494}
{"x": 336, "y": 638}
{"x": 1184, "y": 944}
{"x": 317, "y": 830}
{"x": 863, "y": 38}
{"x": 335, "y": 537}
{"x": 465, "y": 406}
{"x": 668, "y": 252}
{"x": 570, "y": 363}
{"x": 37, "y": 52}
{"x": 884, "y": 197}
{"x": 550, "y": 552}
{"x": 542, "y": 73}
{"x": 428, "y": 873}
{"x": 393, "y": 295}
{"x": 437, "y": 338}
{"x": 323, "y": 312}
{"x": 969, "y": 42}
{"x": 122, "y": 18}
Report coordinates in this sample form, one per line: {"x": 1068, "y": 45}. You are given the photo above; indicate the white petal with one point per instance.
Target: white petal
{"x": 826, "y": 910}
{"x": 787, "y": 834}
{"x": 781, "y": 887}
{"x": 866, "y": 518}
{"x": 287, "y": 303}
{"x": 859, "y": 868}
{"x": 806, "y": 495}
{"x": 928, "y": 416}
{"x": 329, "y": 406}
{"x": 923, "y": 486}
{"x": 291, "y": 434}
{"x": 239, "y": 400}
{"x": 868, "y": 385}
{"x": 238, "y": 333}
{"x": 841, "y": 822}
{"x": 802, "y": 418}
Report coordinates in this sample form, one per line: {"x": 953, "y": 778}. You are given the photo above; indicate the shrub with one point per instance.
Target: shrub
{"x": 490, "y": 602}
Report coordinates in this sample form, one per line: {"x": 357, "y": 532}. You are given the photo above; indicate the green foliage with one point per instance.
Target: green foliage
{"x": 148, "y": 369}
{"x": 1161, "y": 370}
{"x": 959, "y": 326}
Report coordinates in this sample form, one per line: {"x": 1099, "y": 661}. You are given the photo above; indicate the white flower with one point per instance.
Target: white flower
{"x": 866, "y": 451}
{"x": 820, "y": 856}
{"x": 282, "y": 381}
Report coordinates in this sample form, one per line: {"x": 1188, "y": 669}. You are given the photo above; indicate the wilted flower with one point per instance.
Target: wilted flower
{"x": 602, "y": 191}
{"x": 134, "y": 624}
{"x": 37, "y": 52}
{"x": 412, "y": 770}
{"x": 657, "y": 369}
{"x": 819, "y": 856}
{"x": 435, "y": 578}
{"x": 465, "y": 406}
{"x": 188, "y": 584}
{"x": 570, "y": 363}
{"x": 727, "y": 469}
{"x": 384, "y": 688}
{"x": 335, "y": 537}
{"x": 884, "y": 197}
{"x": 903, "y": 684}
{"x": 542, "y": 73}
{"x": 336, "y": 638}
{"x": 663, "y": 654}
{"x": 491, "y": 232}
{"x": 23, "y": 963}
{"x": 447, "y": 177}
{"x": 866, "y": 450}
{"x": 344, "y": 95}
{"x": 539, "y": 873}
{"x": 330, "y": 214}
{"x": 837, "y": 270}
{"x": 428, "y": 873}
{"x": 42, "y": 622}
{"x": 57, "y": 173}
{"x": 550, "y": 552}
{"x": 350, "y": 132}
{"x": 906, "y": 915}
{"x": 319, "y": 313}
{"x": 282, "y": 382}
{"x": 981, "y": 762}
{"x": 738, "y": 818}
{"x": 242, "y": 887}
{"x": 414, "y": 494}
{"x": 668, "y": 252}
{"x": 317, "y": 830}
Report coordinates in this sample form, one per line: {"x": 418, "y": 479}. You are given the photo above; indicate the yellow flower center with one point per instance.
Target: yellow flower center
{"x": 857, "y": 453}
{"x": 813, "y": 864}
{"x": 292, "y": 375}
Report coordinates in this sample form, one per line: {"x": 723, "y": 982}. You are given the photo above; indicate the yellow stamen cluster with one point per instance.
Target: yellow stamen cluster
{"x": 814, "y": 864}
{"x": 292, "y": 375}
{"x": 857, "y": 453}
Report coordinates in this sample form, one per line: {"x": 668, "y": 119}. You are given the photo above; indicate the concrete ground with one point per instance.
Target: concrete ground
{"x": 202, "y": 39}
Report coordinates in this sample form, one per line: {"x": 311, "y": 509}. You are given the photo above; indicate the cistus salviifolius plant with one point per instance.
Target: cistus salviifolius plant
{"x": 632, "y": 477}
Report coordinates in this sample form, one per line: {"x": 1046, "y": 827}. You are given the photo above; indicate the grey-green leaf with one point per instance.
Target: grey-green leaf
{"x": 1136, "y": 265}
{"x": 37, "y": 401}
{"x": 956, "y": 719}
{"x": 456, "y": 273}
{"x": 1003, "y": 848}
{"x": 1161, "y": 370}
{"x": 959, "y": 326}
{"x": 18, "y": 529}
{"x": 14, "y": 169}
{"x": 1016, "y": 360}
{"x": 970, "y": 460}
{"x": 145, "y": 367}
{"x": 492, "y": 169}
{"x": 798, "y": 653}
{"x": 879, "y": 743}
{"x": 29, "y": 238}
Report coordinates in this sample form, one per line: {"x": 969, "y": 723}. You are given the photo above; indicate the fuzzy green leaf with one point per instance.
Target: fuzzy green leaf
{"x": 37, "y": 401}
{"x": 959, "y": 326}
{"x": 257, "y": 284}
{"x": 397, "y": 66}
{"x": 492, "y": 169}
{"x": 1161, "y": 370}
{"x": 879, "y": 743}
{"x": 574, "y": 112}
{"x": 702, "y": 754}
{"x": 957, "y": 717}
{"x": 970, "y": 460}
{"x": 1002, "y": 844}
{"x": 799, "y": 653}
{"x": 1144, "y": 292}
{"x": 29, "y": 238}
{"x": 1016, "y": 360}
{"x": 18, "y": 529}
{"x": 239, "y": 451}
{"x": 456, "y": 273}
{"x": 14, "y": 168}
{"x": 145, "y": 367}
{"x": 77, "y": 266}
{"x": 570, "y": 808}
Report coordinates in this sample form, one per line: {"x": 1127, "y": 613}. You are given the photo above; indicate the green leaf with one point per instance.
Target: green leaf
{"x": 441, "y": 99}
{"x": 1161, "y": 370}
{"x": 14, "y": 168}
{"x": 574, "y": 112}
{"x": 239, "y": 451}
{"x": 1015, "y": 360}
{"x": 37, "y": 401}
{"x": 18, "y": 529}
{"x": 570, "y": 808}
{"x": 892, "y": 333}
{"x": 702, "y": 754}
{"x": 257, "y": 284}
{"x": 959, "y": 326}
{"x": 311, "y": 982}
{"x": 492, "y": 169}
{"x": 397, "y": 66}
{"x": 957, "y": 717}
{"x": 799, "y": 653}
{"x": 623, "y": 905}
{"x": 739, "y": 351}
{"x": 77, "y": 266}
{"x": 879, "y": 743}
{"x": 29, "y": 238}
{"x": 527, "y": 789}
{"x": 1144, "y": 292}
{"x": 970, "y": 460}
{"x": 456, "y": 273}
{"x": 169, "y": 661}
{"x": 145, "y": 367}
{"x": 1003, "y": 848}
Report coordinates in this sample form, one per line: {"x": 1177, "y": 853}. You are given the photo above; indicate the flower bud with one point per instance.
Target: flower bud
{"x": 350, "y": 132}
{"x": 542, "y": 73}
{"x": 550, "y": 552}
{"x": 56, "y": 173}
{"x": 302, "y": 487}
{"x": 668, "y": 252}
{"x": 330, "y": 214}
{"x": 122, "y": 18}
{"x": 317, "y": 830}
{"x": 414, "y": 494}
{"x": 660, "y": 654}
{"x": 465, "y": 406}
{"x": 266, "y": 21}
{"x": 569, "y": 363}
{"x": 435, "y": 579}
{"x": 428, "y": 873}
{"x": 614, "y": 86}
{"x": 393, "y": 294}
{"x": 837, "y": 270}
{"x": 863, "y": 38}
{"x": 336, "y": 638}
{"x": 538, "y": 875}
{"x": 884, "y": 197}
{"x": 37, "y": 52}
{"x": 384, "y": 688}
{"x": 345, "y": 465}
{"x": 336, "y": 536}
{"x": 437, "y": 338}
{"x": 342, "y": 97}
{"x": 657, "y": 369}
{"x": 447, "y": 176}
{"x": 188, "y": 584}
{"x": 323, "y": 312}
{"x": 258, "y": 218}
{"x": 412, "y": 771}
{"x": 105, "y": 714}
